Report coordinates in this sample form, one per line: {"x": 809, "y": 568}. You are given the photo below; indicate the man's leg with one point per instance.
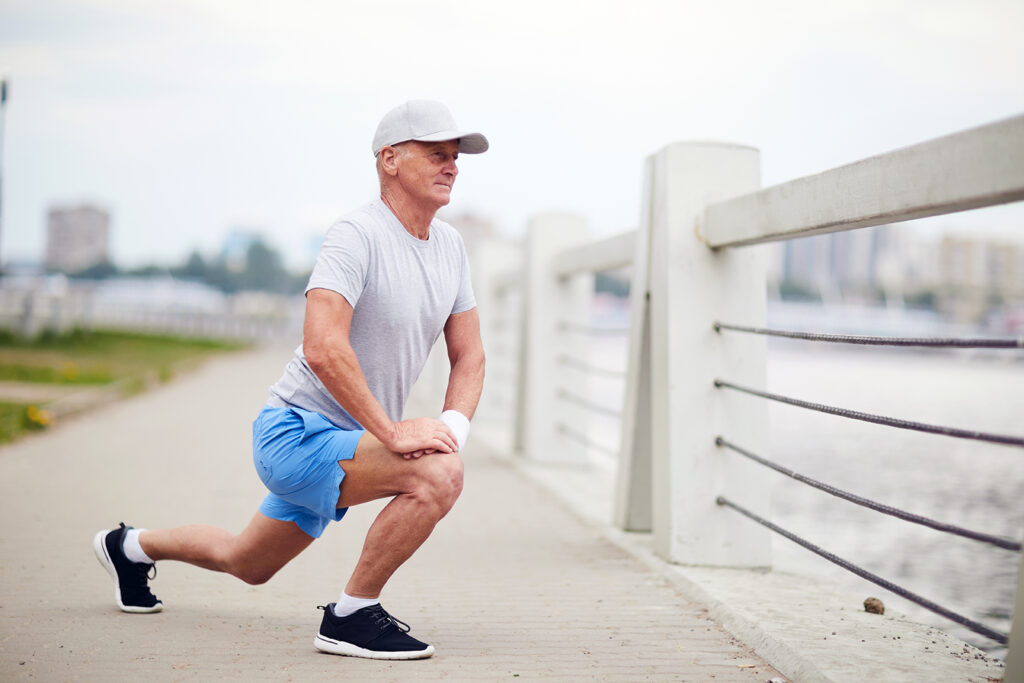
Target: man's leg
{"x": 424, "y": 490}
{"x": 253, "y": 556}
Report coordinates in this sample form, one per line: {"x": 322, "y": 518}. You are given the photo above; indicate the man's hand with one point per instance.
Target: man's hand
{"x": 419, "y": 436}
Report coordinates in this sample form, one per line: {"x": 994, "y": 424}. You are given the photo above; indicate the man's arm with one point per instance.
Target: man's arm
{"x": 330, "y": 356}
{"x": 466, "y": 355}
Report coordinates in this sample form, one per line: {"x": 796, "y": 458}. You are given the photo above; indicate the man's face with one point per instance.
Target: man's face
{"x": 427, "y": 170}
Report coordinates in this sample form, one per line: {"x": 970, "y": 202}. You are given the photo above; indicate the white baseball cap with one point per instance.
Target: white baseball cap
{"x": 426, "y": 121}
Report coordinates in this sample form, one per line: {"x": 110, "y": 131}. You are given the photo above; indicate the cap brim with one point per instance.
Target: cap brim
{"x": 469, "y": 143}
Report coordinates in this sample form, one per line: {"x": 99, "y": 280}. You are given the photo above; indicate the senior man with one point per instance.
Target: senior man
{"x": 389, "y": 279}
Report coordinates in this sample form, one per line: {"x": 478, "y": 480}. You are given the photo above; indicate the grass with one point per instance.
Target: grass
{"x": 91, "y": 358}
{"x": 16, "y": 419}
{"x": 98, "y": 357}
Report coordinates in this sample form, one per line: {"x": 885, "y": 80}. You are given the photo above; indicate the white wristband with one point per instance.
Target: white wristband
{"x": 459, "y": 424}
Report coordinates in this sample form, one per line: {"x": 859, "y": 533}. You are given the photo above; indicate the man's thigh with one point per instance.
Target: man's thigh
{"x": 375, "y": 472}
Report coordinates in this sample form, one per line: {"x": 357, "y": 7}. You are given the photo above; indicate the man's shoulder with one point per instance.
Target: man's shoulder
{"x": 363, "y": 221}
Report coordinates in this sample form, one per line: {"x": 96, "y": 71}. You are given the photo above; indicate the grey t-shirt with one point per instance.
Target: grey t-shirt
{"x": 401, "y": 289}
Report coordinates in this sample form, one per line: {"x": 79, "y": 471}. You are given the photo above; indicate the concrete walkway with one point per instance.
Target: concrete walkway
{"x": 511, "y": 586}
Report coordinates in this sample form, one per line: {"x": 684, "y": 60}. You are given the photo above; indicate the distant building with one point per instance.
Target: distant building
{"x": 963, "y": 276}
{"x": 835, "y": 267}
{"x": 976, "y": 274}
{"x": 77, "y": 237}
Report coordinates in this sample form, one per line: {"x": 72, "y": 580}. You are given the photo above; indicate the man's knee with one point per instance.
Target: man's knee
{"x": 255, "y": 576}
{"x": 243, "y": 565}
{"x": 442, "y": 479}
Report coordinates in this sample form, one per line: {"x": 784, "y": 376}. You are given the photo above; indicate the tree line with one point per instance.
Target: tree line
{"x": 262, "y": 271}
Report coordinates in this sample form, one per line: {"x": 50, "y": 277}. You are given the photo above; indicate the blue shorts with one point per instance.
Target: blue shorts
{"x": 296, "y": 455}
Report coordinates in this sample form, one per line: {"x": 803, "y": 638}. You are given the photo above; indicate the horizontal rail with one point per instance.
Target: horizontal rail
{"x": 966, "y": 170}
{"x": 873, "y": 578}
{"x": 998, "y": 541}
{"x": 592, "y": 330}
{"x": 571, "y": 362}
{"x": 584, "y": 403}
{"x": 593, "y": 257}
{"x": 880, "y": 419}
{"x": 977, "y": 343}
{"x": 585, "y": 440}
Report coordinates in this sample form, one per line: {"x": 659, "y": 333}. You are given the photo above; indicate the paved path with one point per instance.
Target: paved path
{"x": 511, "y": 586}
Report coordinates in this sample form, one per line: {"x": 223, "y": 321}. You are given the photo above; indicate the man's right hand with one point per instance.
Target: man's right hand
{"x": 421, "y": 435}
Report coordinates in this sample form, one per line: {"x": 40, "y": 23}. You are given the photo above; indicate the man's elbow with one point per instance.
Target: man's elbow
{"x": 319, "y": 357}
{"x": 479, "y": 362}
{"x": 471, "y": 361}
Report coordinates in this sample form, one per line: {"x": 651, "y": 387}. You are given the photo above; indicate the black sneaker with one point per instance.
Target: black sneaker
{"x": 368, "y": 632}
{"x": 131, "y": 579}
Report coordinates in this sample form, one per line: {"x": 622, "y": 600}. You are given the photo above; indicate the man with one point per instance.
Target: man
{"x": 389, "y": 279}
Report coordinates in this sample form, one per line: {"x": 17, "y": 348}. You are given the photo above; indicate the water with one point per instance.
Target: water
{"x": 971, "y": 484}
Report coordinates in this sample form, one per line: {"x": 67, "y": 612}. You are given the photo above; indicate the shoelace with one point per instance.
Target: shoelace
{"x": 383, "y": 620}
{"x": 144, "y": 577}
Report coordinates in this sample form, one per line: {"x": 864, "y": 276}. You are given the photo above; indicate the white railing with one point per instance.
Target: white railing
{"x": 30, "y": 308}
{"x": 700, "y": 200}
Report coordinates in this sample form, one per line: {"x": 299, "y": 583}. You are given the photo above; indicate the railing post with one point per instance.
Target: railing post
{"x": 691, "y": 286}
{"x": 632, "y": 511}
{"x": 494, "y": 262}
{"x": 549, "y": 300}
{"x": 1015, "y": 654}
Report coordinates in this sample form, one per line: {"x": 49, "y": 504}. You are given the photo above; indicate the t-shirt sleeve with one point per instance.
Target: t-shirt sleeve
{"x": 342, "y": 263}
{"x": 464, "y": 300}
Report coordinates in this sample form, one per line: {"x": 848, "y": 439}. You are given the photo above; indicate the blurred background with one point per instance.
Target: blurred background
{"x": 185, "y": 131}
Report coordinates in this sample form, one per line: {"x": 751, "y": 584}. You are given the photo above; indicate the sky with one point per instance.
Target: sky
{"x": 188, "y": 119}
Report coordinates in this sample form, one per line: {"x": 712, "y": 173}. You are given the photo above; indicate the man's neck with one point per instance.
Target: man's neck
{"x": 413, "y": 217}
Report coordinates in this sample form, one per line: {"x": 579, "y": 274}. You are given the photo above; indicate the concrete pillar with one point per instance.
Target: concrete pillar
{"x": 1015, "y": 654}
{"x": 493, "y": 261}
{"x": 691, "y": 286}
{"x": 632, "y": 510}
{"x": 549, "y": 301}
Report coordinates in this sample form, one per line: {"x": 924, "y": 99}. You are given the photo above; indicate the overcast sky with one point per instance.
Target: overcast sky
{"x": 187, "y": 118}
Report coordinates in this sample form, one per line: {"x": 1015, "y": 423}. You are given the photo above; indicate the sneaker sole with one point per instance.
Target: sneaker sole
{"x": 339, "y": 647}
{"x": 100, "y": 548}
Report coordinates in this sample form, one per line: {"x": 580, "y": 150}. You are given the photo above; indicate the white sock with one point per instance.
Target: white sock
{"x": 132, "y": 550}
{"x": 346, "y": 604}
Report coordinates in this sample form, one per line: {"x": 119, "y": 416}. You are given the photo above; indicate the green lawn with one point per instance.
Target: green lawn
{"x": 90, "y": 358}
{"x": 98, "y": 357}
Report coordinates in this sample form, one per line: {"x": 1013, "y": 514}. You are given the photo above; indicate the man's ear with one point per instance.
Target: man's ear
{"x": 389, "y": 160}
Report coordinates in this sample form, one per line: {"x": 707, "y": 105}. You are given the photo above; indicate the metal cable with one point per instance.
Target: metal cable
{"x": 999, "y": 541}
{"x": 880, "y": 419}
{"x": 593, "y": 370}
{"x": 976, "y": 343}
{"x": 593, "y": 331}
{"x": 585, "y": 440}
{"x": 584, "y": 403}
{"x": 873, "y": 578}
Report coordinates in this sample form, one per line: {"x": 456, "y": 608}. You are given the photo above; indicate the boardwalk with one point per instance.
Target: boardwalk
{"x": 511, "y": 586}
